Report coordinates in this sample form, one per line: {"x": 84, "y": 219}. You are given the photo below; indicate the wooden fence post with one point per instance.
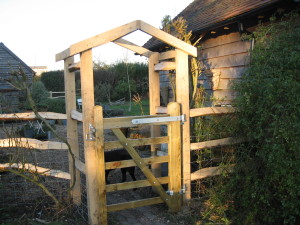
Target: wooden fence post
{"x": 98, "y": 121}
{"x": 154, "y": 101}
{"x": 174, "y": 151}
{"x": 182, "y": 97}
{"x": 91, "y": 159}
{"x": 72, "y": 129}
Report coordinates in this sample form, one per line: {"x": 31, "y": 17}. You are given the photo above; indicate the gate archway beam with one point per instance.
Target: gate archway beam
{"x": 119, "y": 32}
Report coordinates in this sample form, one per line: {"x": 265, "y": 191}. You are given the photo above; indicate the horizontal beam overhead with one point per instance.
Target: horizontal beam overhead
{"x": 165, "y": 66}
{"x": 117, "y": 33}
{"x": 133, "y": 47}
{"x": 168, "y": 38}
{"x": 98, "y": 40}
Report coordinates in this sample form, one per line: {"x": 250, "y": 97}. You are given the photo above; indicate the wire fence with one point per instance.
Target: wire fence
{"x": 16, "y": 190}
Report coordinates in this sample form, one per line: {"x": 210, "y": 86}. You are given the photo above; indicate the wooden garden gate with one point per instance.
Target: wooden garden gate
{"x": 176, "y": 59}
{"x": 97, "y": 204}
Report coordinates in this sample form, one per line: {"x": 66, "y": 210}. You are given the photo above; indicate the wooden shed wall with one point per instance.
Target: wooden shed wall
{"x": 224, "y": 60}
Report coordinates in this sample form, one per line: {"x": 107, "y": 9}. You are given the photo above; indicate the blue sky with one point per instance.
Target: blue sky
{"x": 35, "y": 30}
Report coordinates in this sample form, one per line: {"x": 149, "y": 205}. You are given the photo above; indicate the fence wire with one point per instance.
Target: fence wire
{"x": 17, "y": 191}
{"x": 210, "y": 128}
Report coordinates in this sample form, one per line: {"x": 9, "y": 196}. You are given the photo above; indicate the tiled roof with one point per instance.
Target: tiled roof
{"x": 202, "y": 15}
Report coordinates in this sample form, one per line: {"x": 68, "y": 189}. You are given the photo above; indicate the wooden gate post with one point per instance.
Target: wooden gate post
{"x": 72, "y": 129}
{"x": 154, "y": 101}
{"x": 174, "y": 151}
{"x": 182, "y": 97}
{"x": 91, "y": 159}
{"x": 98, "y": 114}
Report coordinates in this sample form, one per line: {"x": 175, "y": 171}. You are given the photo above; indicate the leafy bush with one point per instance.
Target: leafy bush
{"x": 39, "y": 94}
{"x": 56, "y": 105}
{"x": 53, "y": 80}
{"x": 265, "y": 187}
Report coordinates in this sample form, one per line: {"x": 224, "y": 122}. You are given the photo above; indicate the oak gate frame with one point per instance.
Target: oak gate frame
{"x": 90, "y": 116}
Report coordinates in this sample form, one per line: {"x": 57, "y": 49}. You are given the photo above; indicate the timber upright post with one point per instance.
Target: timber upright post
{"x": 174, "y": 151}
{"x": 154, "y": 101}
{"x": 182, "y": 97}
{"x": 92, "y": 160}
{"x": 98, "y": 121}
{"x": 72, "y": 129}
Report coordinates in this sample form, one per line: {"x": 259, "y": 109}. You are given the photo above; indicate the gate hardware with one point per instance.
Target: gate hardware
{"x": 91, "y": 135}
{"x": 160, "y": 119}
{"x": 182, "y": 190}
{"x": 170, "y": 192}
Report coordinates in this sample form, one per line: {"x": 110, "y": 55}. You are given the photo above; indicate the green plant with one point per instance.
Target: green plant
{"x": 265, "y": 185}
{"x": 39, "y": 94}
{"x": 53, "y": 80}
{"x": 56, "y": 105}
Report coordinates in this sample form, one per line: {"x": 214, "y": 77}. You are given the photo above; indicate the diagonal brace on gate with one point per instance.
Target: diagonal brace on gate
{"x": 143, "y": 166}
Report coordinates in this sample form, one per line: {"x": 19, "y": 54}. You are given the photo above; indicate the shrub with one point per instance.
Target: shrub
{"x": 53, "y": 80}
{"x": 39, "y": 94}
{"x": 56, "y": 105}
{"x": 265, "y": 186}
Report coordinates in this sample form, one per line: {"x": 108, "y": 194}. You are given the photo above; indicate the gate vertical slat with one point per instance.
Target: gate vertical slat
{"x": 98, "y": 121}
{"x": 174, "y": 151}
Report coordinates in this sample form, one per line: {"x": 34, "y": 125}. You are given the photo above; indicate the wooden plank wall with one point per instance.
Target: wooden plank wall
{"x": 224, "y": 60}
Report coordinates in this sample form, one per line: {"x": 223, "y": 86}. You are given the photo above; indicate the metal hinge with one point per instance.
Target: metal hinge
{"x": 160, "y": 119}
{"x": 91, "y": 135}
{"x": 171, "y": 192}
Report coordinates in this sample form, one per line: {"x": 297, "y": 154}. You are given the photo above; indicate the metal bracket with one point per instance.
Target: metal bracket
{"x": 182, "y": 191}
{"x": 170, "y": 192}
{"x": 160, "y": 119}
{"x": 91, "y": 135}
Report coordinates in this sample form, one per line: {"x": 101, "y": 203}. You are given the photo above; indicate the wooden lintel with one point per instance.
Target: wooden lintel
{"x": 215, "y": 143}
{"x": 162, "y": 66}
{"x": 168, "y": 38}
{"x": 133, "y": 47}
{"x": 134, "y": 204}
{"x": 134, "y": 184}
{"x": 137, "y": 142}
{"x": 74, "y": 67}
{"x": 206, "y": 111}
{"x": 32, "y": 143}
{"x": 209, "y": 172}
{"x": 31, "y": 116}
{"x": 167, "y": 55}
{"x": 36, "y": 169}
{"x": 98, "y": 40}
{"x": 129, "y": 163}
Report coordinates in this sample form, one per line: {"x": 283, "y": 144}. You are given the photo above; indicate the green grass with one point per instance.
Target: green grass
{"x": 135, "y": 108}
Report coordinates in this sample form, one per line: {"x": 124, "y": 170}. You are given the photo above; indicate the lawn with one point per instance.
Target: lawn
{"x": 135, "y": 108}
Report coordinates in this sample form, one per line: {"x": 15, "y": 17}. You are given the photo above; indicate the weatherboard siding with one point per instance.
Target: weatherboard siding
{"x": 224, "y": 60}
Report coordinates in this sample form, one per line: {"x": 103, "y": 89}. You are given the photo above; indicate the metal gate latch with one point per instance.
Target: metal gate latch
{"x": 160, "y": 119}
{"x": 91, "y": 135}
